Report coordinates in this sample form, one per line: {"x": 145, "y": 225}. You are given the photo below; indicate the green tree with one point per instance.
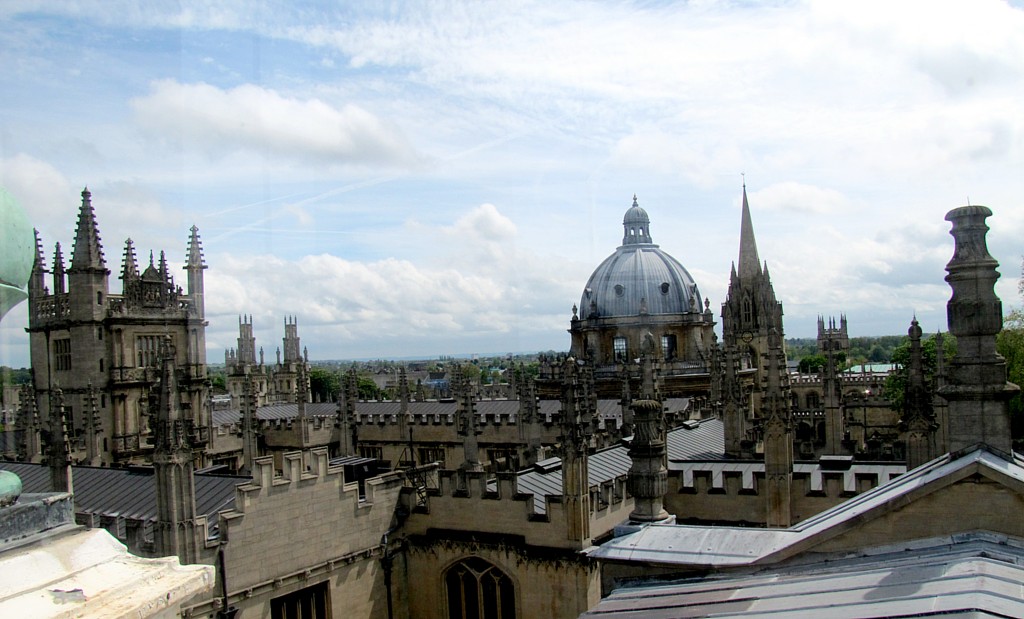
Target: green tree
{"x": 324, "y": 384}
{"x": 812, "y": 363}
{"x": 368, "y": 390}
{"x": 1010, "y": 344}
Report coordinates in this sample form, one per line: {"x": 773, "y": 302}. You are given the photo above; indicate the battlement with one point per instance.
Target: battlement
{"x": 317, "y": 422}
{"x": 473, "y": 501}
{"x": 846, "y": 378}
{"x": 302, "y": 469}
{"x": 437, "y": 419}
{"x": 732, "y": 491}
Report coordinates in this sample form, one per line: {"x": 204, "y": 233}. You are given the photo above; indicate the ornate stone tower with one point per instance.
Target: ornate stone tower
{"x": 749, "y": 315}
{"x": 82, "y": 335}
{"x": 976, "y": 387}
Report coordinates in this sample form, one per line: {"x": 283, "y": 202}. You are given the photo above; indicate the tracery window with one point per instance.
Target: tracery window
{"x": 477, "y": 589}
{"x": 147, "y": 350}
{"x": 62, "y": 354}
{"x": 310, "y": 603}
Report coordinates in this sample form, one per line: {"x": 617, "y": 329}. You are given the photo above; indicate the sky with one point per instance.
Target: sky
{"x": 441, "y": 178}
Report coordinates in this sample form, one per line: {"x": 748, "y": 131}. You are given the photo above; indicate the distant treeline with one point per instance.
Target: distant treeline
{"x": 876, "y": 349}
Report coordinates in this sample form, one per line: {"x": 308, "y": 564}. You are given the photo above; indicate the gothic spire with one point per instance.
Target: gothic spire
{"x": 195, "y": 251}
{"x": 58, "y": 270}
{"x": 37, "y": 282}
{"x": 749, "y": 263}
{"x": 88, "y": 252}
{"x": 165, "y": 274}
{"x": 130, "y": 265}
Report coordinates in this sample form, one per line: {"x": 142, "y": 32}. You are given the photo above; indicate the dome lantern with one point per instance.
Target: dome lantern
{"x": 636, "y": 226}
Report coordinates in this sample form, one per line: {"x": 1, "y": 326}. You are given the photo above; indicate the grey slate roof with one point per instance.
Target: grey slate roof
{"x": 694, "y": 440}
{"x": 127, "y": 493}
{"x": 969, "y": 575}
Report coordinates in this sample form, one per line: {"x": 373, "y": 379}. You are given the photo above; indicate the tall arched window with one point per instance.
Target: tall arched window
{"x": 477, "y": 589}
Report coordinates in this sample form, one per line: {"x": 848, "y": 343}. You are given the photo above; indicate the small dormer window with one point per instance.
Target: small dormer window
{"x": 619, "y": 290}
{"x": 664, "y": 287}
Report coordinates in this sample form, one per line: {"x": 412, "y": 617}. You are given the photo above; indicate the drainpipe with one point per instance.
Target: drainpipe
{"x": 226, "y": 612}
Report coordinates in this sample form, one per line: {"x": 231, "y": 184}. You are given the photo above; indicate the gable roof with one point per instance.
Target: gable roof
{"x": 969, "y": 575}
{"x": 717, "y": 547}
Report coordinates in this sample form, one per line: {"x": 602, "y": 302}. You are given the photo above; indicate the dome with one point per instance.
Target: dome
{"x": 639, "y": 277}
{"x": 17, "y": 252}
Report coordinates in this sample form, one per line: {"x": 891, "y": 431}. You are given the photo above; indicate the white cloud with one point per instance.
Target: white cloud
{"x": 43, "y": 192}
{"x": 799, "y": 198}
{"x": 478, "y": 289}
{"x": 251, "y": 117}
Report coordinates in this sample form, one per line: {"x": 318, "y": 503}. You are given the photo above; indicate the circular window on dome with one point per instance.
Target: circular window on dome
{"x": 664, "y": 287}
{"x": 619, "y": 290}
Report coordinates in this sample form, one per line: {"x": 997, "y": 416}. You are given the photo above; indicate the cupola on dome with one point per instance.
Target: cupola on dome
{"x": 639, "y": 278}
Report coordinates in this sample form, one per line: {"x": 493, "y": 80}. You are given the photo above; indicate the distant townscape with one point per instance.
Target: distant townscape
{"x": 674, "y": 457}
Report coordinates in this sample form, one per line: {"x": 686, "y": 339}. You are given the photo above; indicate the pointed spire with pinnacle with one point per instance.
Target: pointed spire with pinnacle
{"x": 58, "y": 271}
{"x": 88, "y": 252}
{"x": 749, "y": 263}
{"x": 37, "y": 280}
{"x": 130, "y": 265}
{"x": 195, "y": 250}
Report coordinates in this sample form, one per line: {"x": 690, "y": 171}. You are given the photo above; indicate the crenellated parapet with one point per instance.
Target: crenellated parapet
{"x": 476, "y": 501}
{"x": 734, "y": 491}
{"x": 299, "y": 472}
{"x": 346, "y": 529}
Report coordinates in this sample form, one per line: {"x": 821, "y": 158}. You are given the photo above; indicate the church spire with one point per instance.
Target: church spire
{"x": 88, "y": 253}
{"x": 749, "y": 263}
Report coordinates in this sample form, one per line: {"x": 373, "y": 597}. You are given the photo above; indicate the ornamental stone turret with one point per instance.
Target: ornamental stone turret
{"x": 976, "y": 389}
{"x": 647, "y": 479}
{"x": 918, "y": 421}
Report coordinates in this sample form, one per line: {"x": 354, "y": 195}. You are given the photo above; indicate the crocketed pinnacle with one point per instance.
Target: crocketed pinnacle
{"x": 88, "y": 252}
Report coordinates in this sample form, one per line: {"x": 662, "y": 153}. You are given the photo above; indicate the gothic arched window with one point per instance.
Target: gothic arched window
{"x": 477, "y": 589}
{"x": 813, "y": 400}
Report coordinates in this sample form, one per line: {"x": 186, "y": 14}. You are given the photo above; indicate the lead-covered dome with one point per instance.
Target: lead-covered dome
{"x": 639, "y": 278}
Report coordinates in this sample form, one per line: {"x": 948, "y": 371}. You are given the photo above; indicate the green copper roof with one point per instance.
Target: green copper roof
{"x": 17, "y": 251}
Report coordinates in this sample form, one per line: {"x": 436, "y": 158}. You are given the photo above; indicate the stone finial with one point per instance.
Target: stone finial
{"x": 647, "y": 478}
{"x": 976, "y": 388}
